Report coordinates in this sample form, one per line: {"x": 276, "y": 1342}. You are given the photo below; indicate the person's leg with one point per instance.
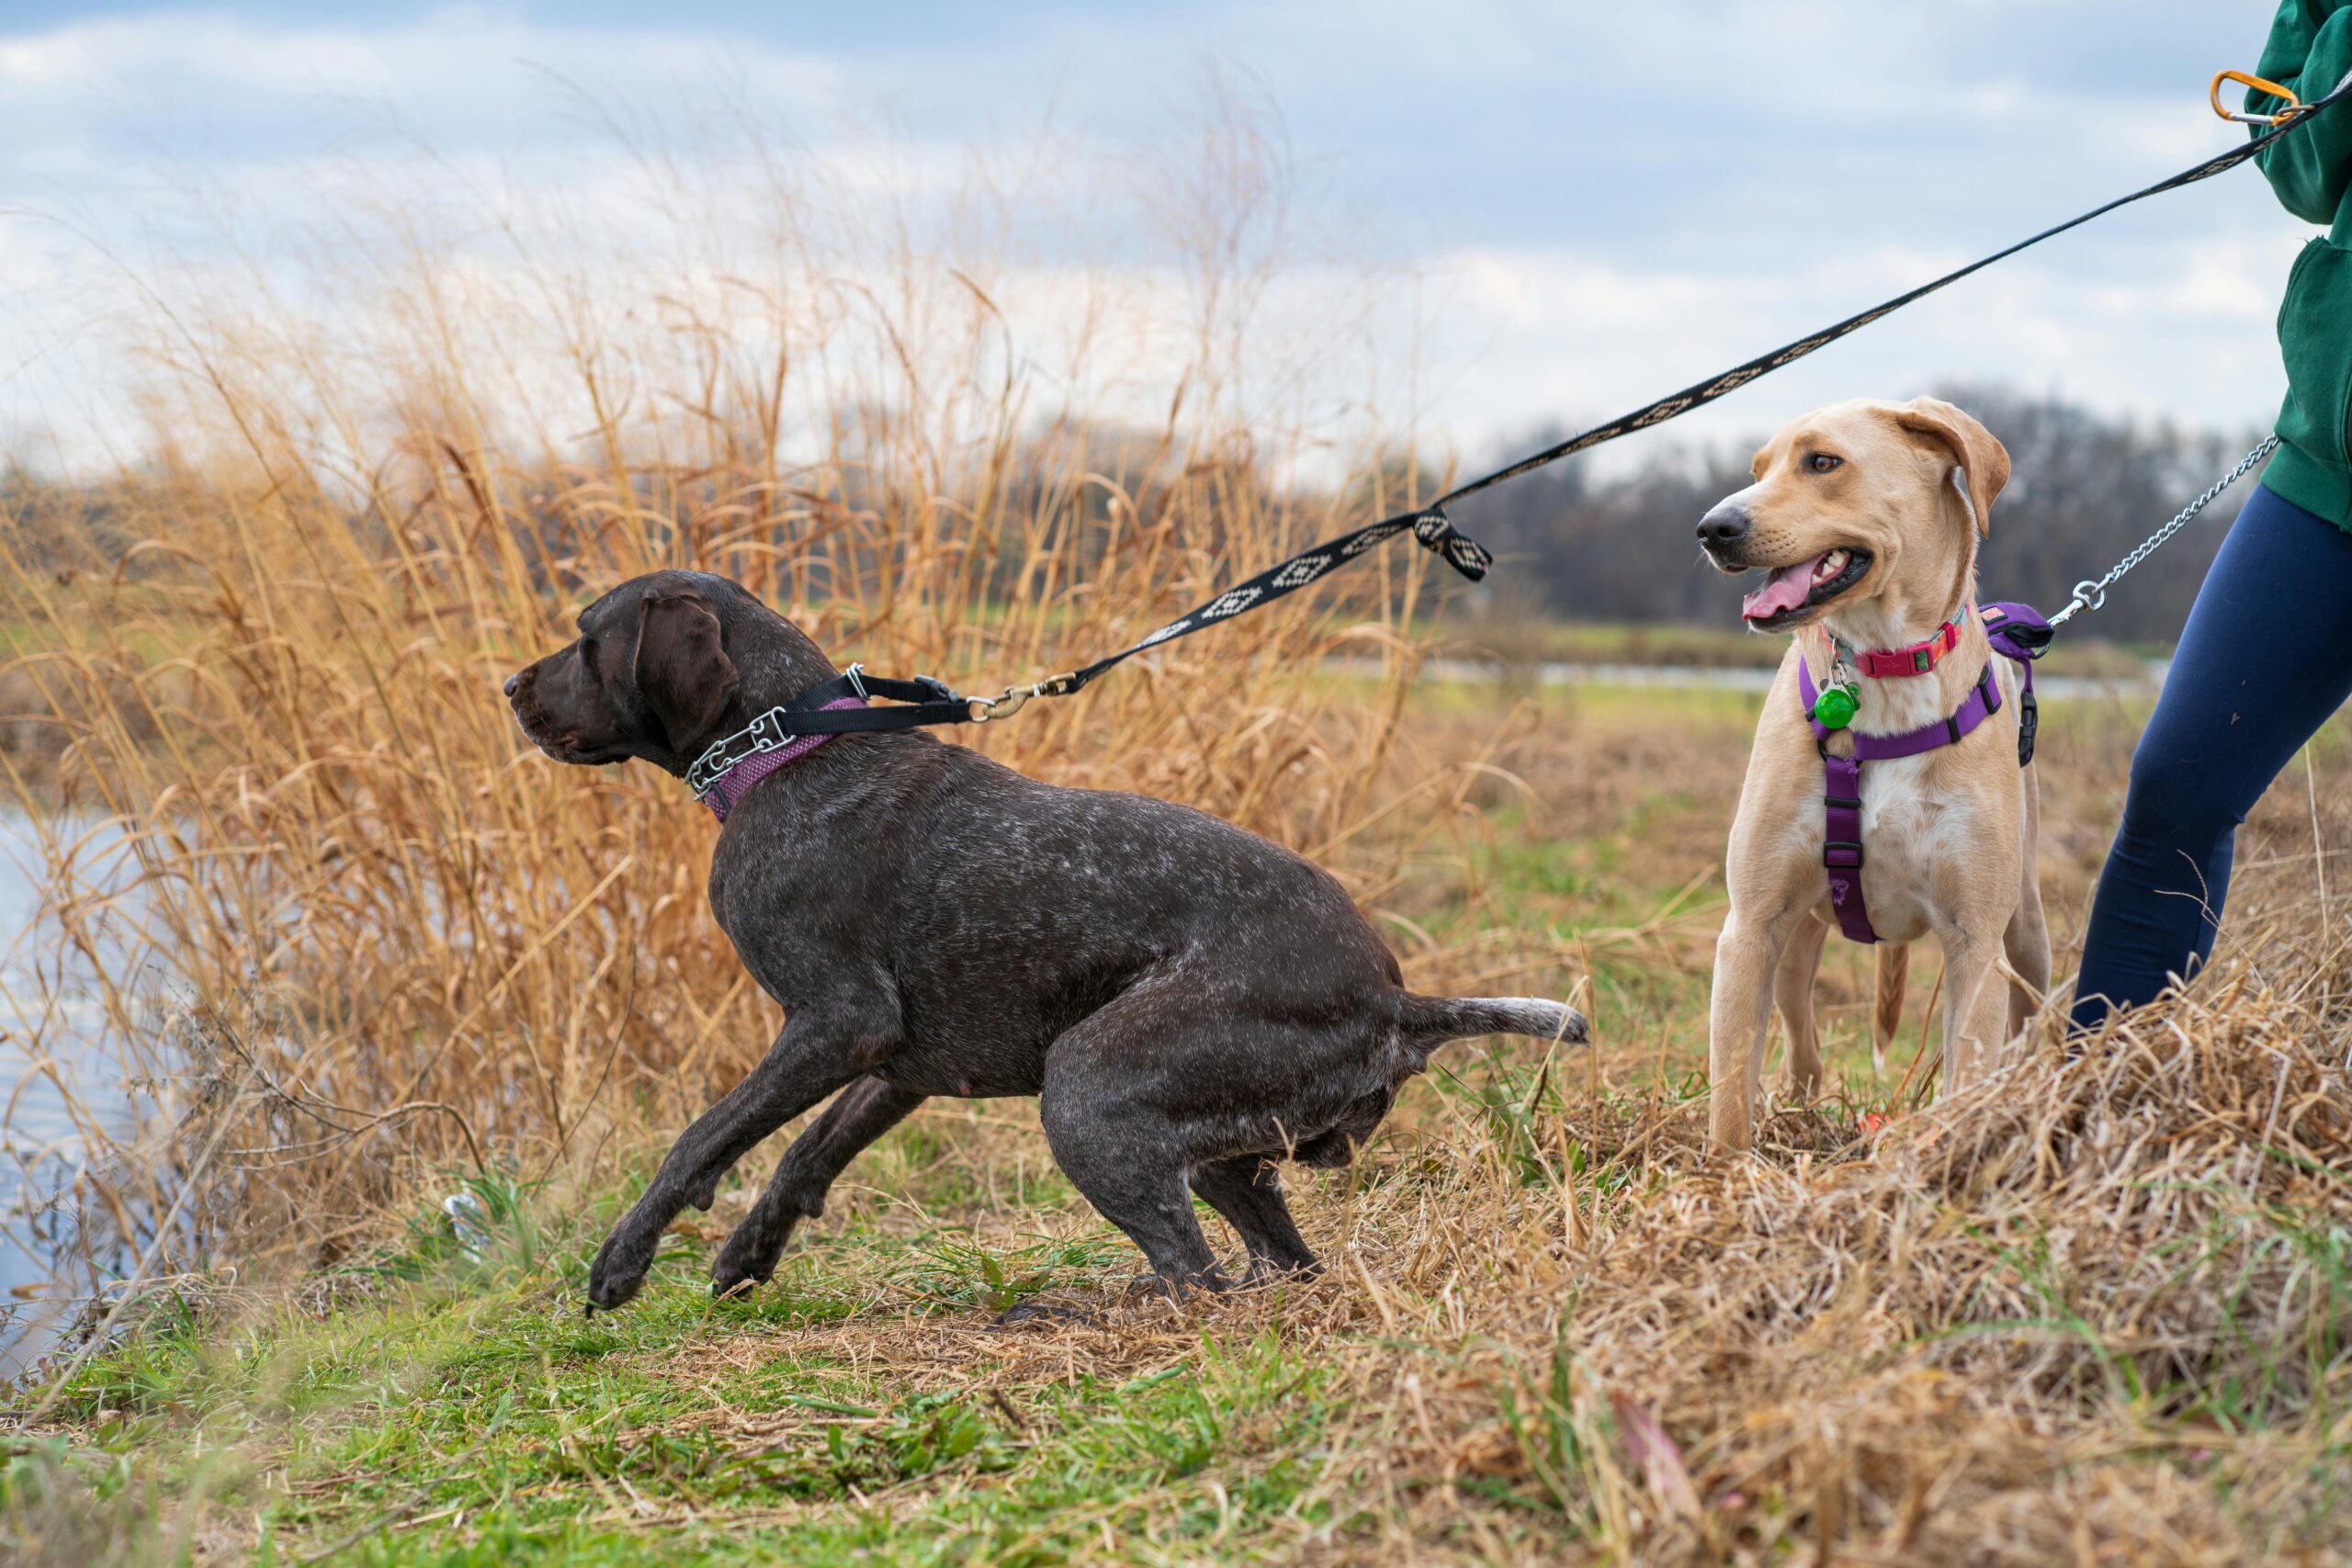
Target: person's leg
{"x": 2265, "y": 658}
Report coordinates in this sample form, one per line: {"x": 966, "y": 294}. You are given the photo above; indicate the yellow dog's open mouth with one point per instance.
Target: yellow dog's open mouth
{"x": 1789, "y": 592}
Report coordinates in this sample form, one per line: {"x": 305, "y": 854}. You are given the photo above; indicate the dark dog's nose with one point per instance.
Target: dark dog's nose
{"x": 1727, "y": 524}
{"x": 514, "y": 682}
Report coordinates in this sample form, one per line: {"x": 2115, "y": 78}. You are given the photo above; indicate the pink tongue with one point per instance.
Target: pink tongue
{"x": 1784, "y": 589}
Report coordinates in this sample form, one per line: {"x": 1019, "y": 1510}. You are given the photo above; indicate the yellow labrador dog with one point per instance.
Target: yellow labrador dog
{"x": 1888, "y": 794}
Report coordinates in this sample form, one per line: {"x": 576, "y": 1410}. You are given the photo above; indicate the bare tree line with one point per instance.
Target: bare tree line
{"x": 2085, "y": 488}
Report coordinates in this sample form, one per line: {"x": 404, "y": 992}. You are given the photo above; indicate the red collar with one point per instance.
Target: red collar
{"x": 1888, "y": 663}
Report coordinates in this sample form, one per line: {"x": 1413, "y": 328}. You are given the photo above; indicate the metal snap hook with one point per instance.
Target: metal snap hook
{"x": 1004, "y": 704}
{"x": 2294, "y": 105}
{"x": 2087, "y": 595}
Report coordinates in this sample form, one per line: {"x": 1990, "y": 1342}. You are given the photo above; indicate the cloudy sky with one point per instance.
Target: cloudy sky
{"x": 1578, "y": 205}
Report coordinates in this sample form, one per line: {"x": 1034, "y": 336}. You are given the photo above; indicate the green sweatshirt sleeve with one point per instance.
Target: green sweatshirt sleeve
{"x": 2310, "y": 49}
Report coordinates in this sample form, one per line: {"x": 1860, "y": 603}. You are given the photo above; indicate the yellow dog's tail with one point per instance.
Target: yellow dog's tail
{"x": 1893, "y": 974}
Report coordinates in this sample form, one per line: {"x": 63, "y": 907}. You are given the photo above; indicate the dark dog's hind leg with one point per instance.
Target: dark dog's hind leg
{"x": 1122, "y": 1162}
{"x": 1149, "y": 1203}
{"x": 1247, "y": 1189}
{"x": 1172, "y": 1080}
{"x": 858, "y": 1115}
{"x": 1138, "y": 1188}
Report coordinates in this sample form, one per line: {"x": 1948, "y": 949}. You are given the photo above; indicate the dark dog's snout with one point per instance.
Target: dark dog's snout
{"x": 1724, "y": 526}
{"x": 514, "y": 684}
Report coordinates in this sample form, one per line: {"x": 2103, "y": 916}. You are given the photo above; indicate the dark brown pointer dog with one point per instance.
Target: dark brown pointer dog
{"x": 1190, "y": 1001}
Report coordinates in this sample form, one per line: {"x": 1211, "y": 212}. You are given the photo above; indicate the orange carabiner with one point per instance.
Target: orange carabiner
{"x": 2294, "y": 105}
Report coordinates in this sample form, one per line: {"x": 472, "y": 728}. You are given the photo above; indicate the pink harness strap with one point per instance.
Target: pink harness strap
{"x": 733, "y": 785}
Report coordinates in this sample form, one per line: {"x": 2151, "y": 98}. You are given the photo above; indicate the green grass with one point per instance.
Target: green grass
{"x": 460, "y": 1412}
{"x": 441, "y": 1404}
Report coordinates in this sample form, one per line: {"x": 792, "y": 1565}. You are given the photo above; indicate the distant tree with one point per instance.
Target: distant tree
{"x": 2085, "y": 488}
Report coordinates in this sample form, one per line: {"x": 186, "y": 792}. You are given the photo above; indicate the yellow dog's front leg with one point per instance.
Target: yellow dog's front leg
{"x": 1976, "y": 1006}
{"x": 1747, "y": 954}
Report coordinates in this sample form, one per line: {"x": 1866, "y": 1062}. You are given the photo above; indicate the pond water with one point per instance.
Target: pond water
{"x": 53, "y": 1058}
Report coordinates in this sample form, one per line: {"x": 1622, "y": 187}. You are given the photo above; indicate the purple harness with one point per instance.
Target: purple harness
{"x": 736, "y": 782}
{"x": 1841, "y": 844}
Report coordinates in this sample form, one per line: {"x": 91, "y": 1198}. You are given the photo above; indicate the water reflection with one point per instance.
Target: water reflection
{"x": 61, "y": 1078}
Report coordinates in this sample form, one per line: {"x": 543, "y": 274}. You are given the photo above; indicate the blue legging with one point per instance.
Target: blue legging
{"x": 2265, "y": 658}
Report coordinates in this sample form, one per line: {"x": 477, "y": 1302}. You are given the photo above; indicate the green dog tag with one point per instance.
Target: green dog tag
{"x": 1835, "y": 707}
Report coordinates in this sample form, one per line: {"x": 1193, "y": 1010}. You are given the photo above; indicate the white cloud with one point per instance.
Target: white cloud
{"x": 1510, "y": 211}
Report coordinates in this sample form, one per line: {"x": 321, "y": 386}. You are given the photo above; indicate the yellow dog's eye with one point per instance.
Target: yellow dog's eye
{"x": 1822, "y": 462}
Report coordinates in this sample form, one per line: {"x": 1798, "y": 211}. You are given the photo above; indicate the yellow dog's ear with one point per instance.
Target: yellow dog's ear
{"x": 1983, "y": 461}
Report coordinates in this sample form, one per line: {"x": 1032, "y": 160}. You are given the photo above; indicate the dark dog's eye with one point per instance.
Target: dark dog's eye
{"x": 1822, "y": 462}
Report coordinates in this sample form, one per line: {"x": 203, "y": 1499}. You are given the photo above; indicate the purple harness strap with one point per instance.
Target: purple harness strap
{"x": 1841, "y": 842}
{"x": 733, "y": 785}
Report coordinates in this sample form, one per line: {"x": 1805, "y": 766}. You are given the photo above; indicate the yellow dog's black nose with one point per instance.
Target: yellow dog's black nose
{"x": 1727, "y": 524}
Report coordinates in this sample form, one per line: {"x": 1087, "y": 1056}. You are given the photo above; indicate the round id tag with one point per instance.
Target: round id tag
{"x": 1835, "y": 707}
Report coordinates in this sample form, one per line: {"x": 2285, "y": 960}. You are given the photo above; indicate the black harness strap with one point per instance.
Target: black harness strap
{"x": 922, "y": 701}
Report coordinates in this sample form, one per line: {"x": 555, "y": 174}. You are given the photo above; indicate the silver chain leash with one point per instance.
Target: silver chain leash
{"x": 2090, "y": 595}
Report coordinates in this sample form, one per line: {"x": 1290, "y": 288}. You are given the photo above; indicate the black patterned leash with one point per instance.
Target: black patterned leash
{"x": 1435, "y": 531}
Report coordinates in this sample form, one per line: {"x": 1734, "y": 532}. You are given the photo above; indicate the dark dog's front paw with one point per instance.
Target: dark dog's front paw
{"x": 753, "y": 1247}
{"x": 748, "y": 1259}
{"x": 621, "y": 1263}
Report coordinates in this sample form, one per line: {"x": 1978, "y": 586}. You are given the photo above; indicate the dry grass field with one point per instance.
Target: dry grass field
{"x": 2096, "y": 1312}
{"x": 363, "y": 951}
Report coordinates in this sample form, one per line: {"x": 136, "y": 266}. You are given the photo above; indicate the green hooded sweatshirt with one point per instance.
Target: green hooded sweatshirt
{"x": 2310, "y": 50}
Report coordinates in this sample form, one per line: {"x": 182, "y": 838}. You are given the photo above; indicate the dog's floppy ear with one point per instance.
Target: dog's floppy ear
{"x": 681, "y": 669}
{"x": 1984, "y": 462}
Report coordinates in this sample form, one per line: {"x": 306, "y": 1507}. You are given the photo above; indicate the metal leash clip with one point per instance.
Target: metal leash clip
{"x": 2294, "y": 105}
{"x": 2091, "y": 592}
{"x": 1013, "y": 699}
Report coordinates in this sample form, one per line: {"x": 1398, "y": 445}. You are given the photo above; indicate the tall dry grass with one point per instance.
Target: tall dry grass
{"x": 356, "y": 934}
{"x": 355, "y": 939}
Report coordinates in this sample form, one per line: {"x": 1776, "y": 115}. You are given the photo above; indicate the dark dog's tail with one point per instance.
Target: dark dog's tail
{"x": 1429, "y": 1021}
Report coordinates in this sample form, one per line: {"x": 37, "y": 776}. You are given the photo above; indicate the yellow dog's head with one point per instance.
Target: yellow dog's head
{"x": 1868, "y": 511}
